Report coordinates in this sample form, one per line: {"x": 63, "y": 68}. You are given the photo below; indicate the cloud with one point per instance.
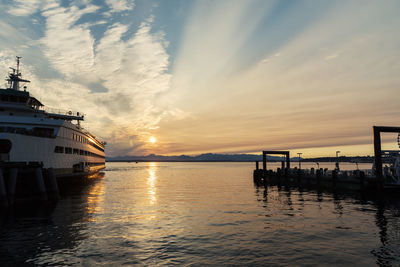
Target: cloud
{"x": 333, "y": 56}
{"x": 130, "y": 70}
{"x": 24, "y": 7}
{"x": 120, "y": 5}
{"x": 68, "y": 46}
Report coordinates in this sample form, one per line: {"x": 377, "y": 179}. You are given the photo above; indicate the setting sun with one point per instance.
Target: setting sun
{"x": 152, "y": 140}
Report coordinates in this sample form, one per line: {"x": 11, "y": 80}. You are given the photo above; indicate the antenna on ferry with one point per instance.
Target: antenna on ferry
{"x": 18, "y": 74}
{"x": 14, "y": 77}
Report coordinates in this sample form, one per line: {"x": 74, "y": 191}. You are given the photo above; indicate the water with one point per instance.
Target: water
{"x": 199, "y": 214}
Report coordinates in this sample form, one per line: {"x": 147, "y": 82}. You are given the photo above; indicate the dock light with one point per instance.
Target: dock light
{"x": 337, "y": 160}
{"x": 299, "y": 160}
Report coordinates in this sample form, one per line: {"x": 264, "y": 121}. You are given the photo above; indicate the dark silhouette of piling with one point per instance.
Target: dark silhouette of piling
{"x": 53, "y": 183}
{"x": 12, "y": 184}
{"x": 334, "y": 178}
{"x": 3, "y": 191}
{"x": 40, "y": 183}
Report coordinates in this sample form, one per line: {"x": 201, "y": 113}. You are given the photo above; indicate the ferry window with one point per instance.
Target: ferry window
{"x": 59, "y": 149}
{"x": 68, "y": 150}
{"x": 76, "y": 151}
{"x": 43, "y": 132}
{"x": 81, "y": 152}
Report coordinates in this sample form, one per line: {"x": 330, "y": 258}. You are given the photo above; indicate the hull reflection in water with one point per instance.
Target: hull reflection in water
{"x": 344, "y": 225}
{"x": 40, "y": 233}
{"x": 200, "y": 214}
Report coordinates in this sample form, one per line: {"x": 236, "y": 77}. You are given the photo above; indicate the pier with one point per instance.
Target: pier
{"x": 375, "y": 179}
{"x": 322, "y": 178}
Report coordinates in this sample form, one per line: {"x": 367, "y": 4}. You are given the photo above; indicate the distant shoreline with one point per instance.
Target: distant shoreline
{"x": 303, "y": 160}
{"x": 210, "y": 157}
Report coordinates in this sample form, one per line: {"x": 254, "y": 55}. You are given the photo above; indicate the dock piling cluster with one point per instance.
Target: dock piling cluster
{"x": 356, "y": 180}
{"x": 28, "y": 180}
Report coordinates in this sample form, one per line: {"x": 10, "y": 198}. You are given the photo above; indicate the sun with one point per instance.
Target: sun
{"x": 152, "y": 140}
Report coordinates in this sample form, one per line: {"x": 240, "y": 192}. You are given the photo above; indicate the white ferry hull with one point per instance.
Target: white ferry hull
{"x": 81, "y": 158}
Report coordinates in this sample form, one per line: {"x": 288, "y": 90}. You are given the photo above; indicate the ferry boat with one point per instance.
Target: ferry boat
{"x": 31, "y": 133}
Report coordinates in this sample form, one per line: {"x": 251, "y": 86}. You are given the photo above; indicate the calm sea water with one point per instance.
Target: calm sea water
{"x": 199, "y": 214}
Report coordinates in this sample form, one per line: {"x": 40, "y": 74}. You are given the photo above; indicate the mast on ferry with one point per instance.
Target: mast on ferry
{"x": 15, "y": 77}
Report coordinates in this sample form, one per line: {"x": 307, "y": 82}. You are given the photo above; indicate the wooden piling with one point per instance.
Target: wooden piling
{"x": 334, "y": 178}
{"x": 319, "y": 174}
{"x": 40, "y": 183}
{"x": 299, "y": 176}
{"x": 362, "y": 179}
{"x": 53, "y": 183}
{"x": 264, "y": 165}
{"x": 3, "y": 191}
{"x": 257, "y": 175}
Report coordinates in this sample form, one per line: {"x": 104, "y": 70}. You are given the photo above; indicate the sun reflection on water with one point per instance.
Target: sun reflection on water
{"x": 95, "y": 198}
{"x": 152, "y": 191}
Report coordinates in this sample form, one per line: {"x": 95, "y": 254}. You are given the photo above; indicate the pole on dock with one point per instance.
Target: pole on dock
{"x": 378, "y": 157}
{"x": 264, "y": 164}
{"x": 3, "y": 191}
{"x": 299, "y": 159}
{"x": 40, "y": 183}
{"x": 12, "y": 184}
{"x": 257, "y": 165}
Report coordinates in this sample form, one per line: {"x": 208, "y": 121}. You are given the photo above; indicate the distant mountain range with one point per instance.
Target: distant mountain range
{"x": 210, "y": 157}
{"x": 202, "y": 157}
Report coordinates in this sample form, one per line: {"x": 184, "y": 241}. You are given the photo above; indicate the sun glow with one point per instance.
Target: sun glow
{"x": 152, "y": 140}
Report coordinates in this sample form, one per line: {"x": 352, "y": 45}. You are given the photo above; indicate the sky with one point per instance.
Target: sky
{"x": 190, "y": 77}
